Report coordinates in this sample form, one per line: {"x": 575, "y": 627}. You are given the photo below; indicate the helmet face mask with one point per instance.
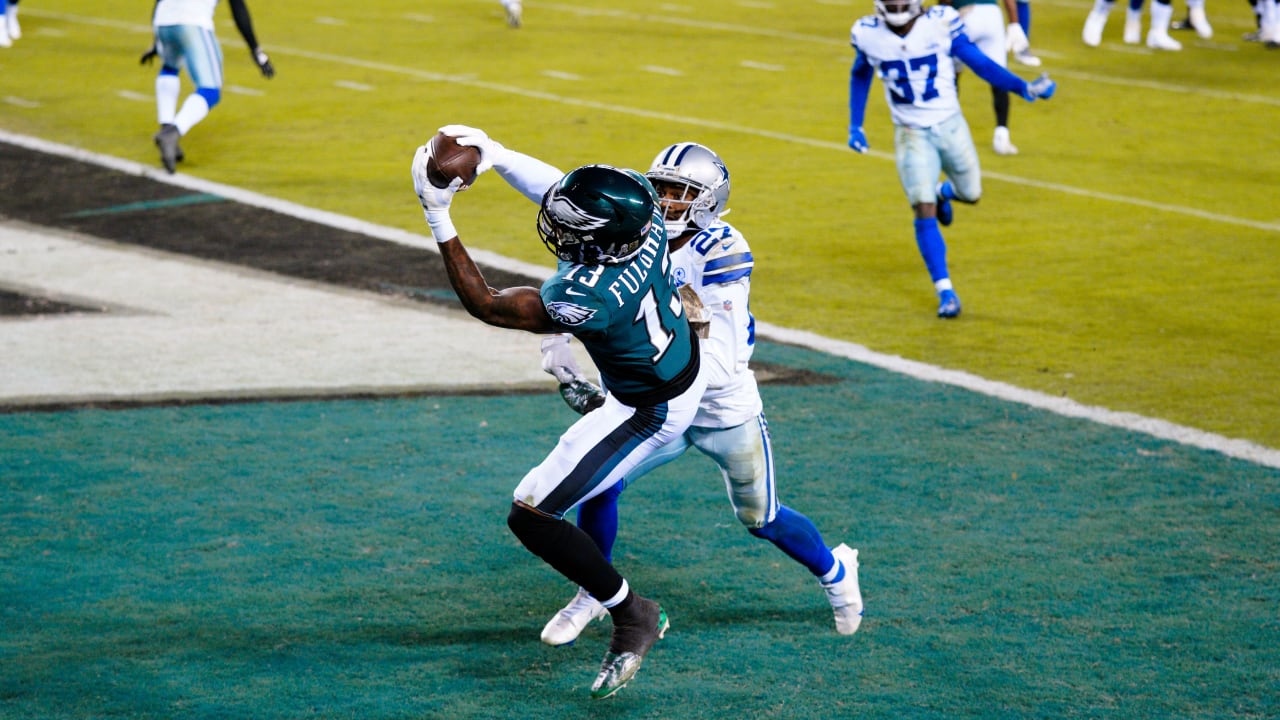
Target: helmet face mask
{"x": 597, "y": 215}
{"x": 898, "y": 13}
{"x": 693, "y": 185}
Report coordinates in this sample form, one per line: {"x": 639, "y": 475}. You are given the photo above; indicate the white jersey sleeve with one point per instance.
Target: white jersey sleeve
{"x": 717, "y": 264}
{"x": 185, "y": 12}
{"x": 917, "y": 70}
{"x": 528, "y": 175}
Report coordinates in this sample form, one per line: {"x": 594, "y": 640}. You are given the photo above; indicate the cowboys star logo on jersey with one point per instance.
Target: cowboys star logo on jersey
{"x": 569, "y": 314}
{"x": 572, "y": 216}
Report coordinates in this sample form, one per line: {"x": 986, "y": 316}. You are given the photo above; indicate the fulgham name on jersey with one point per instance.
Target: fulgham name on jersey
{"x": 637, "y": 272}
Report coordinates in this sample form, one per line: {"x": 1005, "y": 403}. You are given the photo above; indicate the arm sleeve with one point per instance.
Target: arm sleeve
{"x": 859, "y": 86}
{"x": 528, "y": 175}
{"x": 986, "y": 68}
{"x": 720, "y": 347}
{"x": 240, "y": 12}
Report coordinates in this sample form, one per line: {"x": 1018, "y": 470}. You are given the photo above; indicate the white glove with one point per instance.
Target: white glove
{"x": 1015, "y": 39}
{"x": 558, "y": 360}
{"x": 478, "y": 139}
{"x": 435, "y": 201}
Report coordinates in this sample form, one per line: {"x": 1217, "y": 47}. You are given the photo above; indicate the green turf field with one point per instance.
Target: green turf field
{"x": 350, "y": 559}
{"x": 1125, "y": 259}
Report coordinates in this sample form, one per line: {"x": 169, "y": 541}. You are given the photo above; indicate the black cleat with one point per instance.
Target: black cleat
{"x": 633, "y": 637}
{"x": 167, "y": 140}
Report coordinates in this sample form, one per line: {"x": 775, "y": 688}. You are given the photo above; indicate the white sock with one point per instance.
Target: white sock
{"x": 832, "y": 574}
{"x": 194, "y": 109}
{"x": 167, "y": 89}
{"x": 1160, "y": 16}
{"x": 1103, "y": 7}
{"x": 622, "y": 595}
{"x": 943, "y": 284}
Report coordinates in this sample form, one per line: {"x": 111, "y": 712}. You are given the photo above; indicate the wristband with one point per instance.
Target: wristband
{"x": 441, "y": 225}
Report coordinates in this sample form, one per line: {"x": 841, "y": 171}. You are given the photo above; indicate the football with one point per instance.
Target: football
{"x": 450, "y": 160}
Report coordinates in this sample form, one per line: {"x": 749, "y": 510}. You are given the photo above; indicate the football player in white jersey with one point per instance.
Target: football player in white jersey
{"x": 912, "y": 51}
{"x": 984, "y": 24}
{"x": 184, "y": 35}
{"x": 712, "y": 268}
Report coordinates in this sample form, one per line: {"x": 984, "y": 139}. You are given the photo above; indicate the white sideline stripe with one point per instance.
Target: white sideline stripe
{"x": 1164, "y": 430}
{"x": 1241, "y": 449}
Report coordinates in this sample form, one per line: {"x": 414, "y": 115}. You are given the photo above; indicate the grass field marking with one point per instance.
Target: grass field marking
{"x": 1167, "y": 87}
{"x": 1240, "y": 449}
{"x": 1149, "y": 204}
{"x": 724, "y": 27}
{"x": 783, "y": 137}
{"x": 135, "y": 96}
{"x": 470, "y": 81}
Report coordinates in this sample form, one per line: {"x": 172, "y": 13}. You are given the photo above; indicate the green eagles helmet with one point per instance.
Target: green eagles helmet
{"x": 597, "y": 215}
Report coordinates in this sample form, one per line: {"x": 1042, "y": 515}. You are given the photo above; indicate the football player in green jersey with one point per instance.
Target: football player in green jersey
{"x": 613, "y": 291}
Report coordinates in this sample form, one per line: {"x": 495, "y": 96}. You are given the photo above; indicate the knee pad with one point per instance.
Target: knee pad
{"x": 211, "y": 95}
{"x": 535, "y": 531}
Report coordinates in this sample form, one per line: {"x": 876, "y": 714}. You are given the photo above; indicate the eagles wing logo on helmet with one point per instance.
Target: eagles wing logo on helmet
{"x": 572, "y": 216}
{"x": 569, "y": 314}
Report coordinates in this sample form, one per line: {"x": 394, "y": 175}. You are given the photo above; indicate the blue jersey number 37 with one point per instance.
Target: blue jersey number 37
{"x": 897, "y": 77}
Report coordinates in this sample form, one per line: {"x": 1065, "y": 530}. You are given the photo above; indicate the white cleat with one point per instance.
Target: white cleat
{"x": 845, "y": 595}
{"x": 1162, "y": 41}
{"x": 1093, "y": 26}
{"x": 1196, "y": 15}
{"x": 1026, "y": 58}
{"x": 1133, "y": 30}
{"x": 568, "y": 624}
{"x": 11, "y": 21}
{"x": 515, "y": 13}
{"x": 1001, "y": 143}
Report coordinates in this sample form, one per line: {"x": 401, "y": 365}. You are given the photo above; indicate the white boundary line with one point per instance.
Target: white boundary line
{"x": 1240, "y": 449}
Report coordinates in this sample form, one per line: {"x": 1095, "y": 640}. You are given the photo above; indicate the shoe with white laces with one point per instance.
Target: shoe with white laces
{"x": 1093, "y": 26}
{"x": 1133, "y": 29}
{"x": 633, "y": 638}
{"x": 1199, "y": 22}
{"x": 1001, "y": 143}
{"x": 1162, "y": 41}
{"x": 844, "y": 594}
{"x": 568, "y": 624}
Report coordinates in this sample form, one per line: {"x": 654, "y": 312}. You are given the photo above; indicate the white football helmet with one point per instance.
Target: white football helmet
{"x": 897, "y": 13}
{"x": 704, "y": 178}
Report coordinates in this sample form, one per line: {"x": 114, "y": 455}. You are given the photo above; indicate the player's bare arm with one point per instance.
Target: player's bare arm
{"x": 518, "y": 308}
